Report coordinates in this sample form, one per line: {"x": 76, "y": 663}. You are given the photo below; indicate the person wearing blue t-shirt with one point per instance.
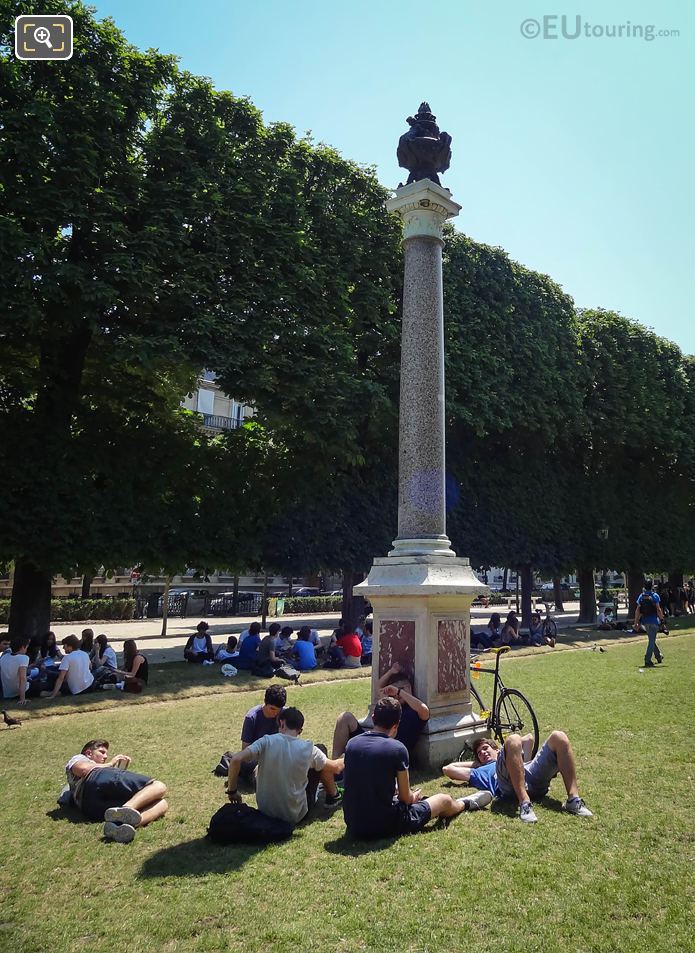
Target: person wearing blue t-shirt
{"x": 376, "y": 765}
{"x": 649, "y": 614}
{"x": 304, "y": 651}
{"x": 510, "y": 773}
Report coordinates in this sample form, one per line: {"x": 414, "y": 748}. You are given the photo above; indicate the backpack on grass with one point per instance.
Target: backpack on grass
{"x": 241, "y": 824}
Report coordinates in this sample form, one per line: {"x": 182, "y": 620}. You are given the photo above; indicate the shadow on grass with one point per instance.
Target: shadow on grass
{"x": 200, "y": 856}
{"x": 69, "y": 814}
{"x": 348, "y": 846}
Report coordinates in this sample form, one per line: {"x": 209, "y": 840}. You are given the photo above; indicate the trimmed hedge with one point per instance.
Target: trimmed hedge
{"x": 308, "y": 604}
{"x": 81, "y": 610}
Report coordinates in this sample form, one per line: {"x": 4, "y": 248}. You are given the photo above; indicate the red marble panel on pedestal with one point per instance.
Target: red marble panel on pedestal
{"x": 451, "y": 667}
{"x": 396, "y": 644}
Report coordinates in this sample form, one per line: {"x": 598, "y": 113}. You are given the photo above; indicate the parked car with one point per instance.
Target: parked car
{"x": 305, "y": 591}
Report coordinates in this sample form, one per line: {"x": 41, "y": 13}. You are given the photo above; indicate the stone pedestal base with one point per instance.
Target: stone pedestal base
{"x": 422, "y": 620}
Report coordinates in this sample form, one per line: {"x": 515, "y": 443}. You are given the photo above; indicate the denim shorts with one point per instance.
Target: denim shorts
{"x": 539, "y": 773}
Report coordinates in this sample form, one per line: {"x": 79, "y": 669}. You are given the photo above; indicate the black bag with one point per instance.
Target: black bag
{"x": 647, "y": 605}
{"x": 336, "y": 657}
{"x": 287, "y": 671}
{"x": 241, "y": 824}
{"x": 263, "y": 669}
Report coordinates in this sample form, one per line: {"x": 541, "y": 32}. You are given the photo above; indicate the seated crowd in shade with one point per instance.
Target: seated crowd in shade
{"x": 497, "y": 633}
{"x": 38, "y": 667}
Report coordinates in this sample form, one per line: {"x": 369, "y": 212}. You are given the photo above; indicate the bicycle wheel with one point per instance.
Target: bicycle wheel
{"x": 480, "y": 710}
{"x": 550, "y": 629}
{"x": 514, "y": 715}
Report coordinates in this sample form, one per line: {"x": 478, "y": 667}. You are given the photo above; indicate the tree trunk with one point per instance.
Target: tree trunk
{"x": 264, "y": 602}
{"x": 235, "y": 596}
{"x": 516, "y": 607}
{"x": 526, "y": 574}
{"x": 557, "y": 594}
{"x": 353, "y": 606}
{"x": 30, "y": 608}
{"x": 86, "y": 586}
{"x": 504, "y": 578}
{"x": 587, "y": 596}
{"x": 675, "y": 578}
{"x": 635, "y": 584}
{"x": 165, "y": 606}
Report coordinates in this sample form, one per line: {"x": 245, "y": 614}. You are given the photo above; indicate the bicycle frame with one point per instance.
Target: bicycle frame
{"x": 499, "y": 686}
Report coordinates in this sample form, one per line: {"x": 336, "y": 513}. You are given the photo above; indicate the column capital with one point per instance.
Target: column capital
{"x": 423, "y": 207}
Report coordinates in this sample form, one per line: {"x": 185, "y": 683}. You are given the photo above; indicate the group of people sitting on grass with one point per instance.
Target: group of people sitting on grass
{"x": 368, "y": 771}
{"x": 349, "y": 647}
{"x": 496, "y": 633}
{"x": 38, "y": 667}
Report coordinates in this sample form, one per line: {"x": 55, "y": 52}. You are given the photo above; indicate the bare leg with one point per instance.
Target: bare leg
{"x": 560, "y": 744}
{"x": 154, "y": 812}
{"x": 344, "y": 726}
{"x": 513, "y": 757}
{"x": 443, "y": 805}
{"x": 147, "y": 797}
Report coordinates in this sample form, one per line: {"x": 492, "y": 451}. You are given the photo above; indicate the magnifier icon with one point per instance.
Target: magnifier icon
{"x": 43, "y": 35}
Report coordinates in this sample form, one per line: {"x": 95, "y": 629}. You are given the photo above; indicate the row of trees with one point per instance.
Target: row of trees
{"x": 151, "y": 226}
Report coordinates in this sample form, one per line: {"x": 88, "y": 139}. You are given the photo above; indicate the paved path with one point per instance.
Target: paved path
{"x": 169, "y": 648}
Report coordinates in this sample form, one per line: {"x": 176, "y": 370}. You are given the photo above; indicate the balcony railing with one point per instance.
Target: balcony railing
{"x": 217, "y": 422}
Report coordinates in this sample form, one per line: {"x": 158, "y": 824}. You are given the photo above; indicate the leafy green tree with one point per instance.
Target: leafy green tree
{"x": 514, "y": 391}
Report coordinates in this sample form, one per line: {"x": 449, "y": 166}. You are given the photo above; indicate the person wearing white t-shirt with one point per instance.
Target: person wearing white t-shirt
{"x": 74, "y": 672}
{"x": 289, "y": 770}
{"x": 13, "y": 670}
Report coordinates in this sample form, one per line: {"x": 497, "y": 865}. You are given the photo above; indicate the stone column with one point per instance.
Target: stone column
{"x": 423, "y": 208}
{"x": 421, "y": 592}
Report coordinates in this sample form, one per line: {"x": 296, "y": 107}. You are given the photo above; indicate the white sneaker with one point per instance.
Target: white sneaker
{"x": 123, "y": 815}
{"x": 575, "y": 805}
{"x": 475, "y": 802}
{"x": 526, "y": 813}
{"x": 121, "y": 833}
{"x": 208, "y": 662}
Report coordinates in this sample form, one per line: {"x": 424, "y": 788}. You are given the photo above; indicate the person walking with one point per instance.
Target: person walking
{"x": 649, "y": 614}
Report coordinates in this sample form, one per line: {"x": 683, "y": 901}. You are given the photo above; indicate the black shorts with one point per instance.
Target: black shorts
{"x": 413, "y": 817}
{"x": 402, "y": 819}
{"x": 109, "y": 787}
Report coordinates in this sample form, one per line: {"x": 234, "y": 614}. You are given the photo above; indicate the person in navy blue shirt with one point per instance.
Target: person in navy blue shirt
{"x": 376, "y": 765}
{"x": 649, "y": 614}
{"x": 396, "y": 683}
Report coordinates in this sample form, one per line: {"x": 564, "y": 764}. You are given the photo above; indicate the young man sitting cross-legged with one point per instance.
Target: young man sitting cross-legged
{"x": 289, "y": 771}
{"x": 376, "y": 766}
{"x": 510, "y": 772}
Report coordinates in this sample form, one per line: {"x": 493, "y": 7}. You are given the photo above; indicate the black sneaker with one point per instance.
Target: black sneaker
{"x": 649, "y": 665}
{"x": 659, "y": 659}
{"x": 332, "y": 800}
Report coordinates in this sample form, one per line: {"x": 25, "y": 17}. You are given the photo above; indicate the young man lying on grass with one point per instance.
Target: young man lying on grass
{"x": 507, "y": 773}
{"x": 104, "y": 790}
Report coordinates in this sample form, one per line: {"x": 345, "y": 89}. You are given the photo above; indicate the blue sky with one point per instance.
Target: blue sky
{"x": 575, "y": 155}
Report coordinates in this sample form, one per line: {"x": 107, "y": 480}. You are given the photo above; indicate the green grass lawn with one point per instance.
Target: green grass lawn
{"x": 619, "y": 882}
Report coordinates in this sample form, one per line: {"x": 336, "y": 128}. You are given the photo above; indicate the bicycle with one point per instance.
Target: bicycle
{"x": 510, "y": 712}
